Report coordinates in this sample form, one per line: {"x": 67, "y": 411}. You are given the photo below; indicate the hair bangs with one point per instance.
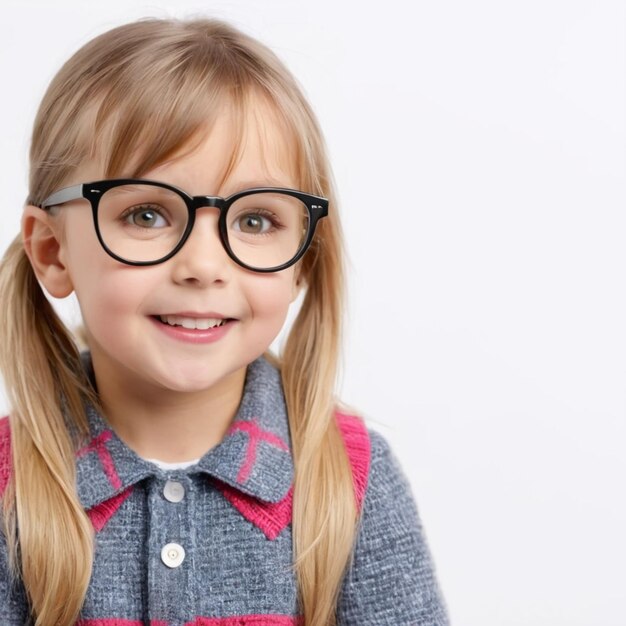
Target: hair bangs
{"x": 142, "y": 125}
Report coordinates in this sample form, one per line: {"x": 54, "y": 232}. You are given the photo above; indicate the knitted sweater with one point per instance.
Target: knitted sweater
{"x": 211, "y": 544}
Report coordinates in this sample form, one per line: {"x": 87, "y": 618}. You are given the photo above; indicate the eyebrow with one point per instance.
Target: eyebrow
{"x": 252, "y": 184}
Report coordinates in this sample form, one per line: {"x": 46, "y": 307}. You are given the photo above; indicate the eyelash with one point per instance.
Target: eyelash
{"x": 137, "y": 209}
{"x": 269, "y": 215}
{"x": 276, "y": 223}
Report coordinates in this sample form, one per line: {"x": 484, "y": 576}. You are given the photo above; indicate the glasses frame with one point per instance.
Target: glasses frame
{"x": 316, "y": 205}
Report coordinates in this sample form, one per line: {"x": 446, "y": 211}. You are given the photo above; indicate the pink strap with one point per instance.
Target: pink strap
{"x": 357, "y": 441}
{"x": 5, "y": 454}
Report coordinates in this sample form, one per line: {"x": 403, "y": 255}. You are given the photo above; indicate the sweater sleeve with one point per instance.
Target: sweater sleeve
{"x": 12, "y": 598}
{"x": 13, "y": 605}
{"x": 391, "y": 580}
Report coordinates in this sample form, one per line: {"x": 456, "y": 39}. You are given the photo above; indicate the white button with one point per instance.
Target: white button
{"x": 173, "y": 491}
{"x": 172, "y": 554}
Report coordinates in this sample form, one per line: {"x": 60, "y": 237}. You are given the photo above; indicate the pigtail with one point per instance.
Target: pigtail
{"x": 41, "y": 367}
{"x": 324, "y": 506}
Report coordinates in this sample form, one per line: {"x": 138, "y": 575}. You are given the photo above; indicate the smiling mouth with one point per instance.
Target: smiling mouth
{"x": 192, "y": 323}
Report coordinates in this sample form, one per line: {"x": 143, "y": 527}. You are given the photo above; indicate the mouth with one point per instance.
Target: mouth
{"x": 193, "y": 323}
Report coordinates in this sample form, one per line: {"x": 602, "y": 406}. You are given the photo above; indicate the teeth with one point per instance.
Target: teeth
{"x": 191, "y": 322}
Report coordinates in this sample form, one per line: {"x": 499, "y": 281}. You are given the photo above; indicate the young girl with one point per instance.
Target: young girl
{"x": 175, "y": 473}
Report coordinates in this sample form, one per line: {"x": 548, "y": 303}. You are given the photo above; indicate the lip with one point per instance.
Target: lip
{"x": 191, "y": 335}
{"x": 195, "y": 315}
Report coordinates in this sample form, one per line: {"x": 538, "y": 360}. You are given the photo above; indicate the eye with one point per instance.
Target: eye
{"x": 253, "y": 223}
{"x": 145, "y": 217}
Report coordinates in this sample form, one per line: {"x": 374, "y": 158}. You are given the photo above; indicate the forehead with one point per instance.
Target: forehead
{"x": 243, "y": 146}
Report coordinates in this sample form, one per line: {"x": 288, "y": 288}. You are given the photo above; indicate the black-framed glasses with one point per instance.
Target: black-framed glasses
{"x": 145, "y": 222}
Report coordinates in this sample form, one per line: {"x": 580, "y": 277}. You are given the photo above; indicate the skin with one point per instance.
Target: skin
{"x": 168, "y": 399}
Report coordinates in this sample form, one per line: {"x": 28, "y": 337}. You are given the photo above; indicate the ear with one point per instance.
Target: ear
{"x": 41, "y": 235}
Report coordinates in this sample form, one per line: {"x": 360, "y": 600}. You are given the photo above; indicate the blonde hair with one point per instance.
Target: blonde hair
{"x": 153, "y": 86}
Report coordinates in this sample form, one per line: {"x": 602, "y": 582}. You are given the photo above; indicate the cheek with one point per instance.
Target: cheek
{"x": 109, "y": 296}
{"x": 269, "y": 301}
{"x": 99, "y": 279}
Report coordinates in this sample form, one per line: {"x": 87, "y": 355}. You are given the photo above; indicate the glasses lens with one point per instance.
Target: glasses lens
{"x": 141, "y": 222}
{"x": 265, "y": 230}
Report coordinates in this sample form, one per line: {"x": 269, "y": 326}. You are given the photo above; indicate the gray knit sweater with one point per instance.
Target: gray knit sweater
{"x": 211, "y": 544}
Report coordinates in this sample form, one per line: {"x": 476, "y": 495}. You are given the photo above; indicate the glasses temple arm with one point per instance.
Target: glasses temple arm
{"x": 63, "y": 195}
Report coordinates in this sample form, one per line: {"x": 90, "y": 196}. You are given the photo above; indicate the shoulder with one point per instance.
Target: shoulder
{"x": 391, "y": 578}
{"x": 375, "y": 468}
{"x": 389, "y": 496}
{"x": 5, "y": 453}
{"x": 387, "y": 481}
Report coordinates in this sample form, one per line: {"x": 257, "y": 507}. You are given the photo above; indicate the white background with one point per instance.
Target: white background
{"x": 480, "y": 154}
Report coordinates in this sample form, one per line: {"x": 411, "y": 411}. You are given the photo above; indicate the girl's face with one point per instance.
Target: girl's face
{"x": 121, "y": 305}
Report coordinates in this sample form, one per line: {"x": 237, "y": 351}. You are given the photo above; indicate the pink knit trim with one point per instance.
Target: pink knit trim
{"x": 270, "y": 517}
{"x": 115, "y": 621}
{"x": 357, "y": 442}
{"x": 255, "y": 434}
{"x": 248, "y": 620}
{"x": 5, "y": 453}
{"x": 103, "y": 512}
{"x": 238, "y": 620}
{"x": 98, "y": 445}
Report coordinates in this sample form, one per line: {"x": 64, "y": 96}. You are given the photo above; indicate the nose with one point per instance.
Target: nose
{"x": 202, "y": 260}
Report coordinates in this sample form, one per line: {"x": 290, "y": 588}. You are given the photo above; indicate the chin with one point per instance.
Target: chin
{"x": 188, "y": 385}
{"x": 195, "y": 380}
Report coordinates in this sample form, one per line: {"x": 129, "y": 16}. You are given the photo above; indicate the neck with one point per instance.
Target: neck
{"x": 168, "y": 425}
